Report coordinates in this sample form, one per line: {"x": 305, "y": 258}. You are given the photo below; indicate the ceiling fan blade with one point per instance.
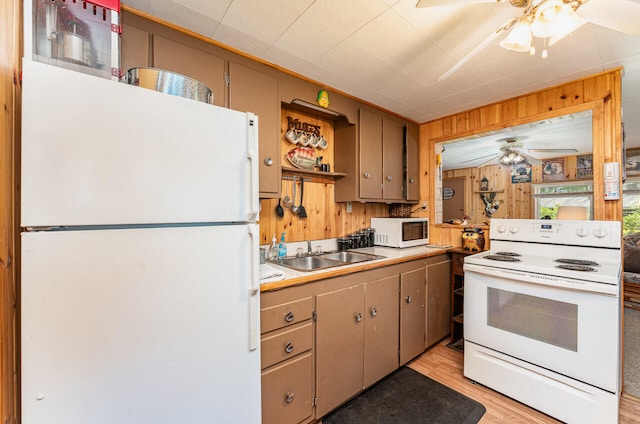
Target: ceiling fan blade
{"x": 493, "y": 161}
{"x": 475, "y": 159}
{"x": 476, "y": 50}
{"x": 530, "y": 159}
{"x": 434, "y": 3}
{"x": 553, "y": 150}
{"x": 619, "y": 15}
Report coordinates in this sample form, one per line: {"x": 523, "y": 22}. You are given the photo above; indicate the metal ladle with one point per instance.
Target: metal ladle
{"x": 287, "y": 200}
{"x": 294, "y": 208}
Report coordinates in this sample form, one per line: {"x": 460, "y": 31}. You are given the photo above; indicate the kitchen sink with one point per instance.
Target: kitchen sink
{"x": 350, "y": 257}
{"x": 314, "y": 262}
{"x": 307, "y": 263}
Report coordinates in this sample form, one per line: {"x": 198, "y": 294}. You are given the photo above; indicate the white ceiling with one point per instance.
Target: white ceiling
{"x": 390, "y": 53}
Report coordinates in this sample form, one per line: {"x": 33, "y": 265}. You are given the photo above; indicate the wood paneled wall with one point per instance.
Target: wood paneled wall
{"x": 517, "y": 199}
{"x": 599, "y": 93}
{"x": 10, "y": 52}
{"x": 325, "y": 217}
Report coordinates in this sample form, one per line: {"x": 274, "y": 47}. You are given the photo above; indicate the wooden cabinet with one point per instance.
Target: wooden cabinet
{"x": 373, "y": 159}
{"x": 438, "y": 302}
{"x": 253, "y": 91}
{"x": 192, "y": 62}
{"x": 457, "y": 300}
{"x": 381, "y": 329}
{"x": 412, "y": 313}
{"x": 287, "y": 361}
{"x": 356, "y": 339}
{"x": 412, "y": 163}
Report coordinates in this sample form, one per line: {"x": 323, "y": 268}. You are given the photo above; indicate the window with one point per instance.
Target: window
{"x": 631, "y": 206}
{"x": 550, "y": 196}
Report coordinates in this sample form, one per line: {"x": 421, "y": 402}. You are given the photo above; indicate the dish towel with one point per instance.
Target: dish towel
{"x": 269, "y": 274}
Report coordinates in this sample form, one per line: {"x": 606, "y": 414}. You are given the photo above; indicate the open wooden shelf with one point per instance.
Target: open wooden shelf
{"x": 312, "y": 172}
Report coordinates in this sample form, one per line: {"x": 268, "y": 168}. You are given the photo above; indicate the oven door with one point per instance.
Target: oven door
{"x": 571, "y": 332}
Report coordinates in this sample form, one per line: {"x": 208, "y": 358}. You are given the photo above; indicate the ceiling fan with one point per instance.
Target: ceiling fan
{"x": 512, "y": 152}
{"x": 549, "y": 19}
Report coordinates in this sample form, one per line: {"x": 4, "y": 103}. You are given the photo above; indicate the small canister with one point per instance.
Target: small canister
{"x": 343, "y": 243}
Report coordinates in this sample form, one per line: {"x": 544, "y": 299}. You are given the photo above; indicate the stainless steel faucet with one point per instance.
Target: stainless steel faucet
{"x": 308, "y": 247}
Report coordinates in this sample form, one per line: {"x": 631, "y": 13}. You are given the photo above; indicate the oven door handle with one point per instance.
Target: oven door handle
{"x": 561, "y": 283}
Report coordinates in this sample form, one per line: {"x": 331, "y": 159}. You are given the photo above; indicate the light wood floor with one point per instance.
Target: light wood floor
{"x": 445, "y": 365}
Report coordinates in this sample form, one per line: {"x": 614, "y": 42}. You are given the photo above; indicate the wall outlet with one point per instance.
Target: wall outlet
{"x": 349, "y": 207}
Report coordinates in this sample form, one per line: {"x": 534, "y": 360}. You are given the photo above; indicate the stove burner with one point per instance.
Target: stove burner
{"x": 577, "y": 262}
{"x": 508, "y": 254}
{"x": 503, "y": 258}
{"x": 576, "y": 267}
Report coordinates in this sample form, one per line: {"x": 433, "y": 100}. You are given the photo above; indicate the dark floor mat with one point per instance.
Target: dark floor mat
{"x": 408, "y": 397}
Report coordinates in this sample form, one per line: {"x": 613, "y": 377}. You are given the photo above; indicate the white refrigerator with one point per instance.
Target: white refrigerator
{"x": 139, "y": 281}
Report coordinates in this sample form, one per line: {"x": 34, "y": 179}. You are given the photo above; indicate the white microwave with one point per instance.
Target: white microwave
{"x": 401, "y": 232}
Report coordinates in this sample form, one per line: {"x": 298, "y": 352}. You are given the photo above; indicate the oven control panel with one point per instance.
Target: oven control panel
{"x": 575, "y": 233}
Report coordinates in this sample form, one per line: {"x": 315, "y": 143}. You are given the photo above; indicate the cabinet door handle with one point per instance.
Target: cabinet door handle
{"x": 358, "y": 317}
{"x": 373, "y": 312}
{"x": 288, "y": 397}
{"x": 289, "y": 316}
{"x": 366, "y": 175}
{"x": 408, "y": 299}
{"x": 412, "y": 180}
{"x": 288, "y": 348}
{"x": 389, "y": 178}
{"x": 268, "y": 161}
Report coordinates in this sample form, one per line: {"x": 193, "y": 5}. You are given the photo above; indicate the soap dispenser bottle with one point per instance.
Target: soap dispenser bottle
{"x": 282, "y": 248}
{"x": 274, "y": 251}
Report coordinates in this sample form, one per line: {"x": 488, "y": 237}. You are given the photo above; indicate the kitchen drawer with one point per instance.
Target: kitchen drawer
{"x": 287, "y": 391}
{"x": 457, "y": 263}
{"x": 285, "y": 314}
{"x": 286, "y": 344}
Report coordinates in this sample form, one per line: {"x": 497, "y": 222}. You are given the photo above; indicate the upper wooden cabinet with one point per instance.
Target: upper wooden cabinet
{"x": 412, "y": 163}
{"x": 191, "y": 62}
{"x": 254, "y": 91}
{"x": 373, "y": 157}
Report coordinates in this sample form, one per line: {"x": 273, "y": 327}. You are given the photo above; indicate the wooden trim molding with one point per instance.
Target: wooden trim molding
{"x": 10, "y": 53}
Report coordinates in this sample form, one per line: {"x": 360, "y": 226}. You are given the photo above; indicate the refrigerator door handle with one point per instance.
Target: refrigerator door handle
{"x": 252, "y": 155}
{"x": 254, "y": 288}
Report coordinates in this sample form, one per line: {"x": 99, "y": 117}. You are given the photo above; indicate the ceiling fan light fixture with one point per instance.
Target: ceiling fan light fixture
{"x": 511, "y": 158}
{"x": 566, "y": 22}
{"x": 519, "y": 39}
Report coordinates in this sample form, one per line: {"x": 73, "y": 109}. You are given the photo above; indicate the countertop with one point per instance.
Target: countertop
{"x": 391, "y": 256}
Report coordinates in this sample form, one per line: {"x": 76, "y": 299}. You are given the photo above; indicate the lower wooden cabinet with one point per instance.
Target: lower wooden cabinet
{"x": 438, "y": 321}
{"x": 326, "y": 341}
{"x": 287, "y": 361}
{"x": 412, "y": 313}
{"x": 357, "y": 331}
{"x": 287, "y": 391}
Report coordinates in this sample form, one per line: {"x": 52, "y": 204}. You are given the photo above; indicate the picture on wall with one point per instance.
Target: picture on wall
{"x": 584, "y": 167}
{"x": 553, "y": 170}
{"x": 632, "y": 163}
{"x": 521, "y": 173}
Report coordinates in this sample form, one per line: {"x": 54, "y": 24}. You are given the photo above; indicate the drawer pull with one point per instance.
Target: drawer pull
{"x": 412, "y": 180}
{"x": 389, "y": 178}
{"x": 268, "y": 161}
{"x": 373, "y": 312}
{"x": 289, "y": 316}
{"x": 288, "y": 348}
{"x": 288, "y": 397}
{"x": 366, "y": 175}
{"x": 358, "y": 317}
{"x": 408, "y": 299}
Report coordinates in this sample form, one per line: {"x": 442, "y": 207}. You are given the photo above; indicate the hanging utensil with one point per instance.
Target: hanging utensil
{"x": 302, "y": 213}
{"x": 294, "y": 208}
{"x": 287, "y": 200}
{"x": 279, "y": 210}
